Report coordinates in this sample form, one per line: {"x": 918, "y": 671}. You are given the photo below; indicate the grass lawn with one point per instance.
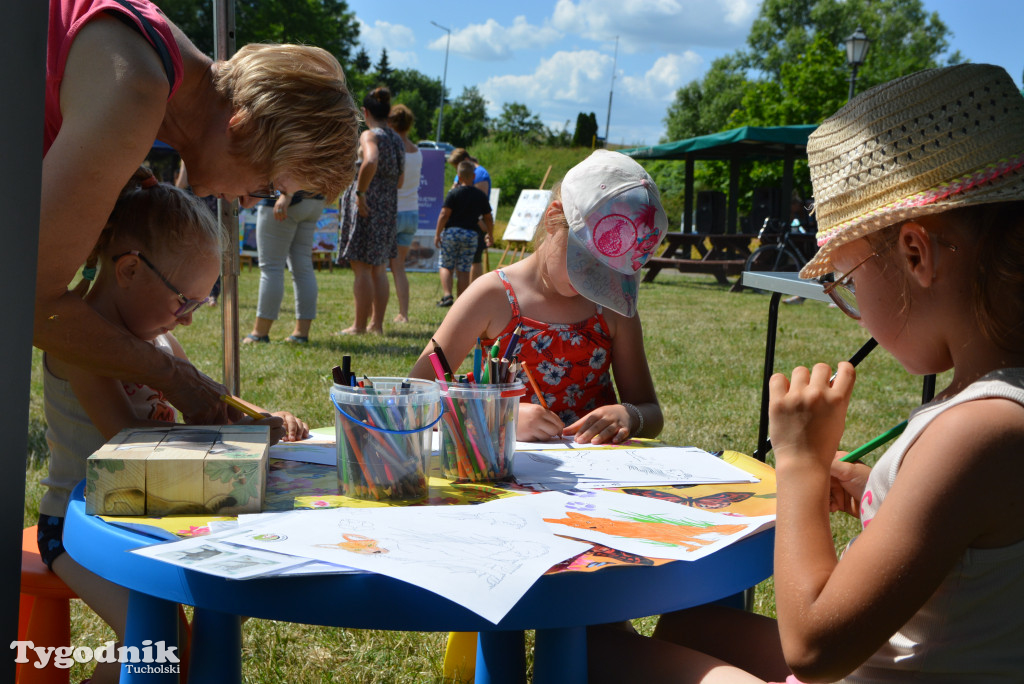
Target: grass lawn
{"x": 705, "y": 346}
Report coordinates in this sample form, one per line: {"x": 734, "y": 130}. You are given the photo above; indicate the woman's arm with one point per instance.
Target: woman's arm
{"x": 369, "y": 153}
{"x": 113, "y": 99}
{"x": 616, "y": 422}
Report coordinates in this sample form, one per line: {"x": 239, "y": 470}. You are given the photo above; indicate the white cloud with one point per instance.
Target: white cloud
{"x": 567, "y": 83}
{"x": 668, "y": 74}
{"x": 577, "y": 77}
{"x": 670, "y": 24}
{"x": 392, "y": 37}
{"x": 491, "y": 41}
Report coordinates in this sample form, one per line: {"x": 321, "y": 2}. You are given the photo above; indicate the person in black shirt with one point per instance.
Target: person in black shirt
{"x": 458, "y": 233}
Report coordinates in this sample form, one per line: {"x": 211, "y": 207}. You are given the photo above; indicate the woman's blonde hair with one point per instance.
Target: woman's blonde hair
{"x": 295, "y": 114}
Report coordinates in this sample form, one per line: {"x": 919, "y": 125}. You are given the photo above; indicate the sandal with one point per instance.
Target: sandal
{"x": 297, "y": 339}
{"x": 253, "y": 339}
{"x": 447, "y": 300}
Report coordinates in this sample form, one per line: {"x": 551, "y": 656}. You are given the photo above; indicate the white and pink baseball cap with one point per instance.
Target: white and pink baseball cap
{"x": 616, "y": 223}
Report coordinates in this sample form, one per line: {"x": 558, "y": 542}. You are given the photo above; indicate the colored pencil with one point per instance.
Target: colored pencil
{"x": 244, "y": 408}
{"x": 862, "y": 451}
{"x": 533, "y": 384}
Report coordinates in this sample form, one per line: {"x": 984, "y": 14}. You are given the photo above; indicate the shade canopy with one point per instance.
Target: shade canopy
{"x": 744, "y": 144}
{"x": 749, "y": 142}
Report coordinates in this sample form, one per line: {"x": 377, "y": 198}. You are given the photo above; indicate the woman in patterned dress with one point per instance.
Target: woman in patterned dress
{"x": 373, "y": 242}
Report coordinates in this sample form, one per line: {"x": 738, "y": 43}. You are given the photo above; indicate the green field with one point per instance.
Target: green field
{"x": 705, "y": 346}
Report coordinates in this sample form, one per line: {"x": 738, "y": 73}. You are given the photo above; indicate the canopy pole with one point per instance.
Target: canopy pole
{"x": 227, "y": 212}
{"x": 731, "y": 221}
{"x": 688, "y": 197}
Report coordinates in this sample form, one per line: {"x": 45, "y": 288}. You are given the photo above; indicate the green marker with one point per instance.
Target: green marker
{"x": 862, "y": 451}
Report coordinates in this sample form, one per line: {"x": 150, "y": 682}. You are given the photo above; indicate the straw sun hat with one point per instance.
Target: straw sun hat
{"x": 918, "y": 145}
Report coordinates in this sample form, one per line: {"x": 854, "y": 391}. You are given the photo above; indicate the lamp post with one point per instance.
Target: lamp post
{"x": 444, "y": 78}
{"x": 856, "y": 50}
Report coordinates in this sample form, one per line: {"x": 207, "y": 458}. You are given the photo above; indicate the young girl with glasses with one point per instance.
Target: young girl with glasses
{"x": 158, "y": 258}
{"x": 919, "y": 196}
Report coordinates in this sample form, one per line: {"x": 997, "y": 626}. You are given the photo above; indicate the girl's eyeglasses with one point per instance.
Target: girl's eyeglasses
{"x": 843, "y": 292}
{"x": 187, "y": 305}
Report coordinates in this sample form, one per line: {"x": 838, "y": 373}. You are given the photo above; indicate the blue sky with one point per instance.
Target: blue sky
{"x": 556, "y": 56}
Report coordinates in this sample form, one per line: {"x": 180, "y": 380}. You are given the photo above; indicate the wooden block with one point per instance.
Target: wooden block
{"x": 235, "y": 470}
{"x": 180, "y": 470}
{"x": 115, "y": 475}
{"x": 174, "y": 471}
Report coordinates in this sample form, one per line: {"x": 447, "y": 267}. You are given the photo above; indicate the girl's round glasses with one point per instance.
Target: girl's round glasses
{"x": 843, "y": 292}
{"x": 187, "y": 305}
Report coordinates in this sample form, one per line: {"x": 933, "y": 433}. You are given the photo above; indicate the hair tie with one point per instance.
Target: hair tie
{"x": 149, "y": 182}
{"x": 89, "y": 273}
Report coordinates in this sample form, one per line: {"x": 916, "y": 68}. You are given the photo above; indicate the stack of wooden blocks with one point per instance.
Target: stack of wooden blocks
{"x": 182, "y": 469}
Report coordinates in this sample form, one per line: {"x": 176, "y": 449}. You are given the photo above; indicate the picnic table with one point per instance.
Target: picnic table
{"x": 721, "y": 255}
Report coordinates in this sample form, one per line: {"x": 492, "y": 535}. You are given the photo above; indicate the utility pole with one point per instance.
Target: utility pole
{"x": 444, "y": 78}
{"x": 608, "y": 119}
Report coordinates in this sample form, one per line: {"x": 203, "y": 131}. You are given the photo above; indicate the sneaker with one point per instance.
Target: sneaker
{"x": 795, "y": 299}
{"x": 447, "y": 300}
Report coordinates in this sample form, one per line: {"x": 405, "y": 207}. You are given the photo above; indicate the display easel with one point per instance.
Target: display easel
{"x": 518, "y": 247}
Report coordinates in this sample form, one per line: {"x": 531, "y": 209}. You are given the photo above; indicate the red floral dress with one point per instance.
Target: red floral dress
{"x": 571, "y": 362}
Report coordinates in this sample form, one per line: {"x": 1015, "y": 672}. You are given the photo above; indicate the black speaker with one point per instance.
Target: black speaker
{"x": 765, "y": 203}
{"x": 710, "y": 211}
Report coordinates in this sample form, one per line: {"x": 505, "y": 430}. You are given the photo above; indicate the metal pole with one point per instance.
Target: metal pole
{"x": 853, "y": 79}
{"x": 22, "y": 43}
{"x": 444, "y": 78}
{"x": 223, "y": 48}
{"x": 608, "y": 119}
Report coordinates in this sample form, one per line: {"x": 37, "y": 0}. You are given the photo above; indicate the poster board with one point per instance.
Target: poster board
{"x": 526, "y": 216}
{"x": 325, "y": 237}
{"x": 493, "y": 200}
{"x": 247, "y": 230}
{"x": 423, "y": 255}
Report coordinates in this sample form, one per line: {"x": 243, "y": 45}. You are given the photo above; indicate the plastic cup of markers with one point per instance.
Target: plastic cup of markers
{"x": 478, "y": 433}
{"x": 383, "y": 437}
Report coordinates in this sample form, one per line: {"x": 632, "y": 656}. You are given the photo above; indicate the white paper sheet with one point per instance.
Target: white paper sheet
{"x": 211, "y": 555}
{"x": 314, "y": 449}
{"x": 595, "y": 468}
{"x": 637, "y": 524}
{"x": 563, "y": 443}
{"x": 480, "y": 559}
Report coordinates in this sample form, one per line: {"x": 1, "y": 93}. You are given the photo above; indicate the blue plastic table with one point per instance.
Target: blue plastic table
{"x": 558, "y": 606}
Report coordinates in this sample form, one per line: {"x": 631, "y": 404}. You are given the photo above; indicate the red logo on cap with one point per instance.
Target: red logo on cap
{"x": 614, "y": 235}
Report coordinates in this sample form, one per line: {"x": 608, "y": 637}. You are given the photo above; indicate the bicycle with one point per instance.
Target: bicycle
{"x": 784, "y": 255}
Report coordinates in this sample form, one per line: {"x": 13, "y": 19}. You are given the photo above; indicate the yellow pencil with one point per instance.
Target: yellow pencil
{"x": 251, "y": 412}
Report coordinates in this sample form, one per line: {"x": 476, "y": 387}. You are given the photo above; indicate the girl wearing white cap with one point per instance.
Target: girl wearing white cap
{"x": 918, "y": 189}
{"x": 573, "y": 302}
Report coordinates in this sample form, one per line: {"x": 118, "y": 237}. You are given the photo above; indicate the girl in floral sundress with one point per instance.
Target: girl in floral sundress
{"x": 574, "y": 301}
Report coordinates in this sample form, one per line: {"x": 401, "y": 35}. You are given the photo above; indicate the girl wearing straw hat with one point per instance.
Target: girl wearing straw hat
{"x": 918, "y": 191}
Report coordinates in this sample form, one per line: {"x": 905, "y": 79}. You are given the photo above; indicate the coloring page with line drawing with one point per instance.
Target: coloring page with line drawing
{"x": 483, "y": 560}
{"x": 600, "y": 468}
{"x": 646, "y": 527}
